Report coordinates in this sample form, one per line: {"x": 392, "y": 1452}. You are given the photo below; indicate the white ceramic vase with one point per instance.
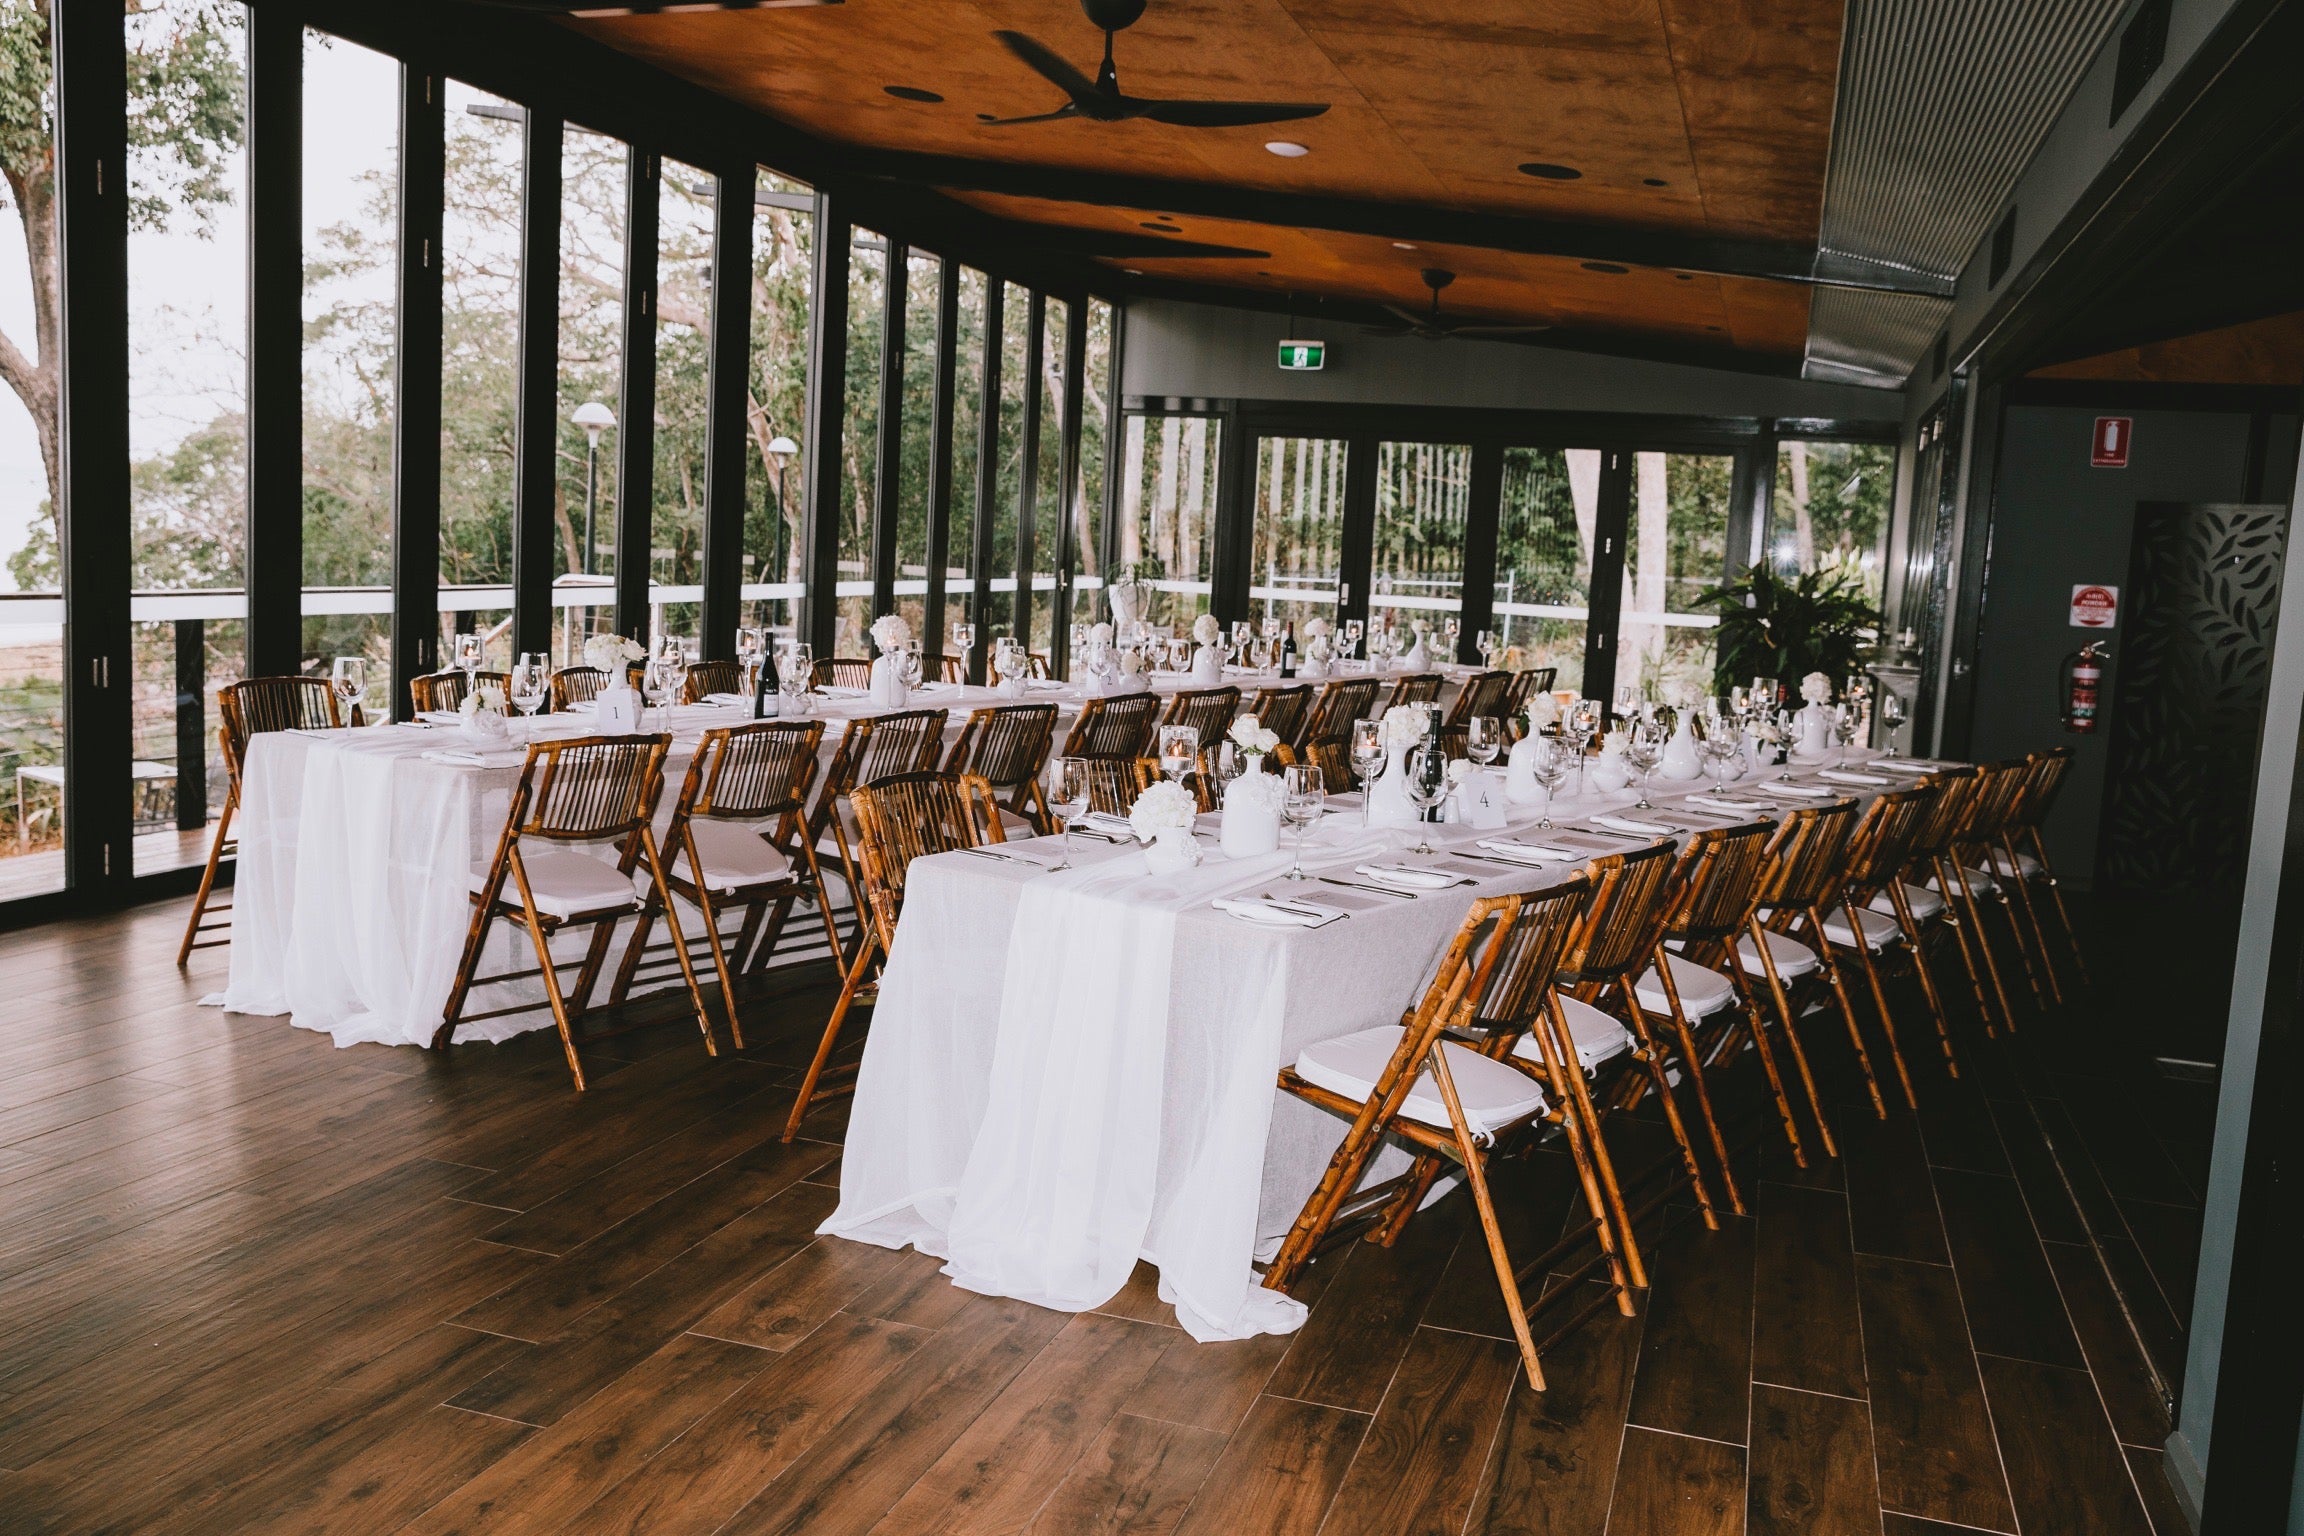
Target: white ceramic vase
{"x": 1207, "y": 667}
{"x": 1520, "y": 786}
{"x": 1388, "y": 802}
{"x": 1681, "y": 760}
{"x": 887, "y": 687}
{"x": 1815, "y": 728}
{"x": 1173, "y": 851}
{"x": 1251, "y": 822}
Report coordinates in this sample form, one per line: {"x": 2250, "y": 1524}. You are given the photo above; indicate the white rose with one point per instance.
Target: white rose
{"x": 1205, "y": 629}
{"x": 1816, "y": 688}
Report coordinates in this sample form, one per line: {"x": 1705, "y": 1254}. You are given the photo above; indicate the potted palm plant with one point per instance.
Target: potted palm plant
{"x": 1773, "y": 626}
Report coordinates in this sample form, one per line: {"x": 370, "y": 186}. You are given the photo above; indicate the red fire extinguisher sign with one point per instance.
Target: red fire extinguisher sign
{"x": 2095, "y": 607}
{"x": 2108, "y": 449}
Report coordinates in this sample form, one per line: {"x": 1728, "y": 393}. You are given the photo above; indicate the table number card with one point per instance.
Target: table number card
{"x": 1480, "y": 801}
{"x": 618, "y": 713}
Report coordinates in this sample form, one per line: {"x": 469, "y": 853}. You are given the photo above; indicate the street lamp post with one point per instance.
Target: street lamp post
{"x": 593, "y": 417}
{"x": 781, "y": 449}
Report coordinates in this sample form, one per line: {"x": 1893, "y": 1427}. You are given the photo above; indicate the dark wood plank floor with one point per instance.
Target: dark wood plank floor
{"x": 250, "y": 1282}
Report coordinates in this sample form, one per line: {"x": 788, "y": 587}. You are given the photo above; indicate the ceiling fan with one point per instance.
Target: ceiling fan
{"x": 1432, "y": 327}
{"x": 1102, "y": 101}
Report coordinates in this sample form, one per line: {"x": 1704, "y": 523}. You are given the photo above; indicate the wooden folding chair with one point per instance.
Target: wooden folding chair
{"x": 1416, "y": 688}
{"x": 589, "y": 789}
{"x": 1007, "y": 747}
{"x": 1116, "y": 727}
{"x": 445, "y": 690}
{"x": 576, "y": 685}
{"x": 872, "y": 747}
{"x": 246, "y": 709}
{"x": 2023, "y": 858}
{"x": 898, "y": 820}
{"x": 1327, "y": 738}
{"x": 1977, "y": 847}
{"x": 1526, "y": 684}
{"x": 706, "y": 678}
{"x": 843, "y": 672}
{"x": 952, "y": 669}
{"x": 1891, "y": 917}
{"x": 1445, "y": 1081}
{"x": 1208, "y": 711}
{"x": 1483, "y": 693}
{"x": 1936, "y": 867}
{"x": 723, "y": 859}
{"x": 1115, "y": 782}
{"x": 1283, "y": 711}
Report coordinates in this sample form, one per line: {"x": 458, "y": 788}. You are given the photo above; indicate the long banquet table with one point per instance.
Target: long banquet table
{"x": 1067, "y": 1072}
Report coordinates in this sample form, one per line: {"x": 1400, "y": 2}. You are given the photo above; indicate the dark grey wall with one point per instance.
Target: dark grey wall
{"x": 1204, "y": 351}
{"x": 2057, "y": 522}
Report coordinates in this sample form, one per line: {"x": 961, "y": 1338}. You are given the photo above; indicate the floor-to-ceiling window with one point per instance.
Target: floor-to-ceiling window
{"x": 1831, "y": 509}
{"x": 1423, "y": 502}
{"x": 776, "y": 393}
{"x": 595, "y": 177}
{"x": 684, "y": 227}
{"x": 924, "y": 275}
{"x": 1008, "y": 611}
{"x": 1087, "y": 509}
{"x": 1544, "y": 532}
{"x": 961, "y": 600}
{"x": 479, "y": 368}
{"x": 1167, "y": 536}
{"x": 1675, "y": 557}
{"x": 1046, "y": 471}
{"x": 1296, "y": 557}
{"x": 859, "y": 443}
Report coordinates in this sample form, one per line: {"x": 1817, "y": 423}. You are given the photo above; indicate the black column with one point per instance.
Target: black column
{"x": 1115, "y": 429}
{"x": 940, "y": 454}
{"x": 1234, "y": 526}
{"x": 987, "y": 478}
{"x": 727, "y": 397}
{"x": 1358, "y": 555}
{"x": 1068, "y": 500}
{"x": 1612, "y": 519}
{"x": 536, "y": 436}
{"x": 191, "y": 724}
{"x": 416, "y": 387}
{"x": 888, "y": 472}
{"x": 827, "y": 391}
{"x": 1028, "y": 467}
{"x": 274, "y": 556}
{"x": 1485, "y": 507}
{"x": 636, "y": 396}
{"x": 1751, "y": 495}
{"x": 92, "y": 520}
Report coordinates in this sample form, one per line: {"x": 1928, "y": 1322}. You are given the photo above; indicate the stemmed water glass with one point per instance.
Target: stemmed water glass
{"x": 1353, "y": 629}
{"x": 530, "y": 684}
{"x": 1179, "y": 747}
{"x": 1067, "y": 798}
{"x": 1483, "y": 739}
{"x": 350, "y": 680}
{"x": 1303, "y": 795}
{"x": 1427, "y": 786}
{"x": 1582, "y": 724}
{"x": 751, "y": 645}
{"x": 1550, "y": 768}
{"x": 466, "y": 653}
{"x": 1845, "y": 721}
{"x": 1643, "y": 747}
{"x": 1891, "y": 716}
{"x": 1367, "y": 756}
{"x": 1450, "y": 628}
{"x": 1485, "y": 643}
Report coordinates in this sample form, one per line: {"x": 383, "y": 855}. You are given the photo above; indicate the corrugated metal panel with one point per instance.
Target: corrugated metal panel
{"x": 1941, "y": 105}
{"x": 1858, "y": 337}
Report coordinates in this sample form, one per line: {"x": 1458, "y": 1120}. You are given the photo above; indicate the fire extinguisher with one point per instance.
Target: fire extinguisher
{"x": 2083, "y": 679}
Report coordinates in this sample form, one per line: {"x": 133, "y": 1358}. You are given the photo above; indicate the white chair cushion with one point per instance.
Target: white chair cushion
{"x": 734, "y": 857}
{"x": 2026, "y": 865}
{"x": 1016, "y": 827}
{"x": 1703, "y": 991}
{"x": 1978, "y": 881}
{"x": 1880, "y": 930}
{"x": 564, "y": 882}
{"x": 1924, "y": 904}
{"x": 1792, "y": 957}
{"x": 1597, "y": 1037}
{"x": 1494, "y": 1095}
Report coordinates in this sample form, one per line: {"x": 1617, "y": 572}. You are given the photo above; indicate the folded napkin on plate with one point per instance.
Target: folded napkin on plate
{"x": 1040, "y": 851}
{"x": 832, "y": 692}
{"x": 1843, "y": 776}
{"x": 1912, "y": 765}
{"x": 1801, "y": 791}
{"x": 1628, "y": 824}
{"x": 467, "y": 758}
{"x": 1406, "y": 874}
{"x": 1291, "y": 914}
{"x": 726, "y": 698}
{"x": 440, "y": 716}
{"x": 1106, "y": 822}
{"x": 1047, "y": 685}
{"x": 1530, "y": 853}
{"x": 1722, "y": 803}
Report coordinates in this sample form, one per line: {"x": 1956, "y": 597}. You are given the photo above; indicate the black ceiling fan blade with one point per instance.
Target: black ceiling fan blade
{"x": 1226, "y": 114}
{"x": 1069, "y": 109}
{"x": 1408, "y": 317}
{"x": 1048, "y": 64}
{"x": 1387, "y": 330}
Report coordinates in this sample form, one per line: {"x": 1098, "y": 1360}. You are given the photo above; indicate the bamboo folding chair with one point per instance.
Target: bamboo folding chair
{"x": 245, "y": 709}
{"x": 722, "y": 858}
{"x": 1443, "y": 1080}
{"x": 1006, "y": 746}
{"x": 706, "y": 678}
{"x": 1936, "y": 868}
{"x": 2022, "y": 857}
{"x": 873, "y": 747}
{"x": 1283, "y": 711}
{"x": 1526, "y": 684}
{"x": 590, "y": 789}
{"x": 1416, "y": 688}
{"x": 1891, "y": 916}
{"x": 445, "y": 690}
{"x": 1208, "y": 711}
{"x": 1977, "y": 849}
{"x": 1118, "y": 727}
{"x": 1115, "y": 782}
{"x": 576, "y": 685}
{"x": 1807, "y": 863}
{"x": 952, "y": 669}
{"x": 843, "y": 672}
{"x": 1483, "y": 693}
{"x": 1328, "y": 733}
{"x": 898, "y": 820}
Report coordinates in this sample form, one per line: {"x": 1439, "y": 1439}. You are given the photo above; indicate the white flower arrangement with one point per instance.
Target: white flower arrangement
{"x": 1816, "y": 688}
{"x": 612, "y": 654}
{"x": 1264, "y": 791}
{"x": 1206, "y": 630}
{"x": 1680, "y": 695}
{"x": 485, "y": 696}
{"x": 1317, "y": 629}
{"x": 891, "y": 633}
{"x": 1543, "y": 712}
{"x": 1459, "y": 770}
{"x": 1403, "y": 727}
{"x": 1163, "y": 806}
{"x": 1099, "y": 634}
{"x": 1251, "y": 737}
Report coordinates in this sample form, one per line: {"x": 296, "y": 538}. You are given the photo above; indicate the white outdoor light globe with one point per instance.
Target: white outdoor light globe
{"x": 593, "y": 416}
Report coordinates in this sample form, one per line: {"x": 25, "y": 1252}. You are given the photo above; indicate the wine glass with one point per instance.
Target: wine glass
{"x": 1450, "y": 628}
{"x": 1427, "y": 786}
{"x": 1367, "y": 756}
{"x": 530, "y": 684}
{"x": 656, "y": 686}
{"x": 1583, "y": 723}
{"x": 1353, "y": 629}
{"x": 963, "y": 637}
{"x": 1842, "y": 719}
{"x": 1485, "y": 643}
{"x": 1787, "y": 727}
{"x": 1764, "y": 693}
{"x": 465, "y": 652}
{"x": 1550, "y": 769}
{"x": 1067, "y": 797}
{"x": 1643, "y": 747}
{"x": 350, "y": 679}
{"x": 1891, "y": 716}
{"x": 798, "y": 678}
{"x": 751, "y": 646}
{"x": 1229, "y": 763}
{"x": 1303, "y": 794}
{"x": 1179, "y": 747}
{"x": 1483, "y": 739}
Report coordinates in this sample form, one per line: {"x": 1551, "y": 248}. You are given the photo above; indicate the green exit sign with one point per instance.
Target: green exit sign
{"x": 1303, "y": 356}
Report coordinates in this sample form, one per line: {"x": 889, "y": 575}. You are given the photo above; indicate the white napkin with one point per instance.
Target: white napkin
{"x": 1842, "y": 776}
{"x": 1289, "y": 915}
{"x": 1407, "y": 875}
{"x": 1105, "y": 821}
{"x": 1529, "y": 853}
{"x": 1627, "y": 824}
{"x": 726, "y": 698}
{"x": 1911, "y": 765}
{"x": 831, "y": 692}
{"x": 466, "y": 758}
{"x": 1721, "y": 803}
{"x": 440, "y": 716}
{"x": 1041, "y": 851}
{"x": 1802, "y": 791}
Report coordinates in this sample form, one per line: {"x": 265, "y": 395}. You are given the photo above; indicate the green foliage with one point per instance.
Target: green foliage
{"x": 186, "y": 107}
{"x": 26, "y": 73}
{"x": 1818, "y": 621}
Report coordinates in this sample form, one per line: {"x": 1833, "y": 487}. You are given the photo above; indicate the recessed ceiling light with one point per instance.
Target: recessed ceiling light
{"x": 911, "y": 93}
{"x": 1133, "y": 271}
{"x": 1606, "y": 266}
{"x": 1654, "y": 181}
{"x": 1686, "y": 277}
{"x": 1287, "y": 149}
{"x": 1166, "y": 229}
{"x": 1544, "y": 170}
{"x": 1402, "y": 245}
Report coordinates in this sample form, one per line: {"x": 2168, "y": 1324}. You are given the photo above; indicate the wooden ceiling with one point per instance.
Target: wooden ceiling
{"x": 1705, "y": 119}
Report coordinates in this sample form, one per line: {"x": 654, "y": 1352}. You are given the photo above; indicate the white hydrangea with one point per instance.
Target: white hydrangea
{"x": 1206, "y": 630}
{"x": 1250, "y": 736}
{"x": 891, "y": 632}
{"x": 1816, "y": 688}
{"x": 1163, "y": 805}
{"x": 611, "y": 653}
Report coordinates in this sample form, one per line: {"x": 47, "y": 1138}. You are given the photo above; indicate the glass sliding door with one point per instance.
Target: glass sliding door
{"x": 1296, "y": 559}
{"x": 1831, "y": 509}
{"x": 924, "y": 278}
{"x": 1087, "y": 509}
{"x": 783, "y": 234}
{"x": 595, "y": 183}
{"x": 859, "y": 443}
{"x": 960, "y": 597}
{"x": 1168, "y": 469}
{"x": 1675, "y": 557}
{"x": 684, "y": 221}
{"x": 1544, "y": 540}
{"x": 1007, "y": 611}
{"x": 1423, "y": 501}
{"x": 1046, "y": 472}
